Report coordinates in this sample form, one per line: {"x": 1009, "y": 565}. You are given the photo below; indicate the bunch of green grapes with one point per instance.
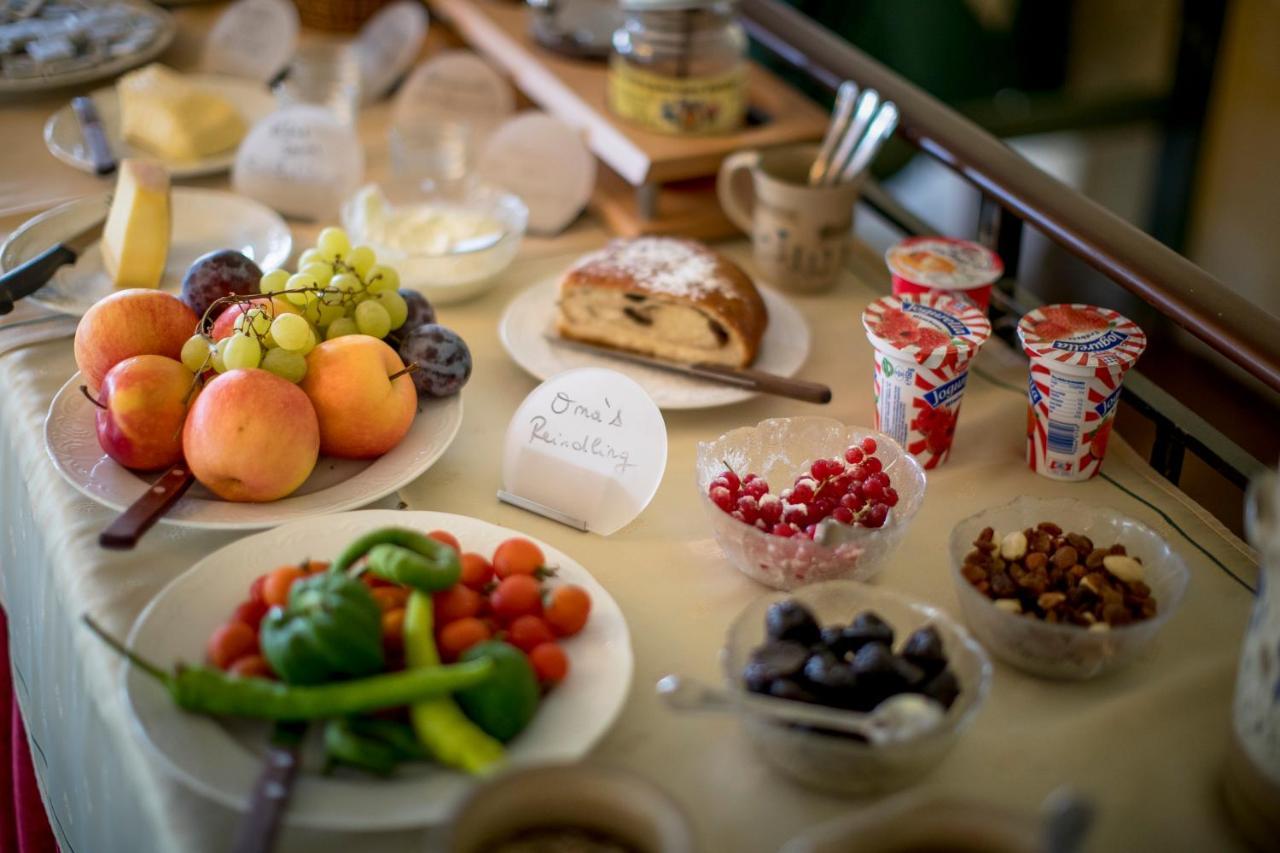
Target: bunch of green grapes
{"x": 338, "y": 290}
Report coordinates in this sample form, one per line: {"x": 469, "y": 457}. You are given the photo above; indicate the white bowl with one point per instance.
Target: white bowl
{"x": 1058, "y": 650}
{"x": 779, "y": 449}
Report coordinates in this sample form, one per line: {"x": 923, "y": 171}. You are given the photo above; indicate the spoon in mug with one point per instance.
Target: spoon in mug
{"x": 845, "y": 97}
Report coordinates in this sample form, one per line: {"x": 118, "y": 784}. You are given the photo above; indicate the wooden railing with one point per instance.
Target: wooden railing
{"x": 1014, "y": 191}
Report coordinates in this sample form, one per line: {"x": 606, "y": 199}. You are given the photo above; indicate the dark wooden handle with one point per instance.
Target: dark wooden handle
{"x": 124, "y": 533}
{"x": 95, "y": 136}
{"x": 770, "y": 383}
{"x": 258, "y": 830}
{"x": 31, "y": 276}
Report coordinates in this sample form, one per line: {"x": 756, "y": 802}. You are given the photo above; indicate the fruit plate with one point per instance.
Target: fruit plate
{"x": 220, "y": 759}
{"x": 335, "y": 485}
{"x": 202, "y": 221}
{"x": 63, "y": 138}
{"x": 530, "y": 317}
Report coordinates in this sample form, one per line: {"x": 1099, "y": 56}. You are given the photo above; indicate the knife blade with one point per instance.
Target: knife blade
{"x": 95, "y": 135}
{"x": 25, "y": 279}
{"x": 745, "y": 378}
{"x": 271, "y": 793}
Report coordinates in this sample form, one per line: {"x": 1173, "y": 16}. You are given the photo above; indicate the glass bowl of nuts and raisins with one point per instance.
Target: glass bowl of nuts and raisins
{"x": 1061, "y": 588}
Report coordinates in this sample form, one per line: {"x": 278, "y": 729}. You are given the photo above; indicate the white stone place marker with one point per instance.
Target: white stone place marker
{"x": 455, "y": 86}
{"x": 587, "y": 448}
{"x": 301, "y": 161}
{"x": 253, "y": 39}
{"x": 387, "y": 46}
{"x": 545, "y": 162}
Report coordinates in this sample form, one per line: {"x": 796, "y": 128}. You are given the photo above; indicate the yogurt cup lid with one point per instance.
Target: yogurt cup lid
{"x": 944, "y": 263}
{"x": 931, "y": 329}
{"x": 1081, "y": 338}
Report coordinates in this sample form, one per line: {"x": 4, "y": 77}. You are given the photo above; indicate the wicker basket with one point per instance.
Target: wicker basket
{"x": 337, "y": 16}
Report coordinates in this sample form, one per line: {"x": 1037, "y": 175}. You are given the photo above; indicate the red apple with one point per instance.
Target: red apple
{"x": 128, "y": 323}
{"x": 363, "y": 412}
{"x": 142, "y": 406}
{"x": 251, "y": 436}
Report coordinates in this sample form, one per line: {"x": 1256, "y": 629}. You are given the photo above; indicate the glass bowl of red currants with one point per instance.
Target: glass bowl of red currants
{"x": 794, "y": 501}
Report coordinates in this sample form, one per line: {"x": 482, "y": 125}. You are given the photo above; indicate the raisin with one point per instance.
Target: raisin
{"x": 1065, "y": 557}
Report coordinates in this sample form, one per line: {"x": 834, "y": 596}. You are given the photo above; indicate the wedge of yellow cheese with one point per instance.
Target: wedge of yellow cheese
{"x": 164, "y": 113}
{"x": 135, "y": 240}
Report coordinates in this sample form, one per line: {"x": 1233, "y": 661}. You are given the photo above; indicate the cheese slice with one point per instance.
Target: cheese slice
{"x": 164, "y": 113}
{"x": 135, "y": 240}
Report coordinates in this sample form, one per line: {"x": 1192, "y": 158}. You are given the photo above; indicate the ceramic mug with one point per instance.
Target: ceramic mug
{"x": 800, "y": 233}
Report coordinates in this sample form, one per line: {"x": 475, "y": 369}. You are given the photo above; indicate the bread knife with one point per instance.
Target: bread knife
{"x": 27, "y": 278}
{"x": 744, "y": 378}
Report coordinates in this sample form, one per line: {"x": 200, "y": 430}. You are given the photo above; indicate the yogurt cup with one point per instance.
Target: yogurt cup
{"x": 1079, "y": 355}
{"x": 944, "y": 264}
{"x": 924, "y": 344}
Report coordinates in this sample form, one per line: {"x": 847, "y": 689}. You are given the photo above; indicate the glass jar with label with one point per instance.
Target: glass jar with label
{"x": 679, "y": 67}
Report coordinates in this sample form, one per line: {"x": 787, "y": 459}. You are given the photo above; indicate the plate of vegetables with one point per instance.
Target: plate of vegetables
{"x": 419, "y": 650}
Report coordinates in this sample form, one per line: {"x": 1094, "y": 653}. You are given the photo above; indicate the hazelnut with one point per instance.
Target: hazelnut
{"x": 1009, "y": 605}
{"x": 1013, "y": 546}
{"x": 1050, "y": 600}
{"x": 1125, "y": 568}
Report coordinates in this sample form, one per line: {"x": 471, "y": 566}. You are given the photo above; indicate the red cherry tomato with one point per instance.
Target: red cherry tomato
{"x": 251, "y": 666}
{"x": 516, "y": 596}
{"x": 255, "y": 589}
{"x": 390, "y": 597}
{"x": 476, "y": 571}
{"x": 447, "y": 538}
{"x": 456, "y": 602}
{"x": 250, "y": 613}
{"x": 275, "y": 591}
{"x": 517, "y": 556}
{"x": 456, "y": 637}
{"x": 230, "y": 642}
{"x": 528, "y": 632}
{"x": 567, "y": 609}
{"x": 550, "y": 663}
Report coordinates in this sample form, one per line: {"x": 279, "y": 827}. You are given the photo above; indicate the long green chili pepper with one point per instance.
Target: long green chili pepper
{"x": 343, "y": 745}
{"x": 400, "y": 565}
{"x": 206, "y": 690}
{"x": 440, "y": 568}
{"x": 439, "y": 723}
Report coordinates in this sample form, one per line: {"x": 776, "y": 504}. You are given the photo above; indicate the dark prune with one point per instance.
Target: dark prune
{"x": 442, "y": 358}
{"x": 909, "y": 674}
{"x": 772, "y": 661}
{"x": 943, "y": 688}
{"x": 924, "y": 649}
{"x": 421, "y": 311}
{"x": 833, "y": 639}
{"x": 785, "y": 688}
{"x": 832, "y": 679}
{"x": 791, "y": 620}
{"x": 867, "y": 628}
{"x": 224, "y": 272}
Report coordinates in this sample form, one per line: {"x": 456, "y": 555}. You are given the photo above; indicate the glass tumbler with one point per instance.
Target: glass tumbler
{"x": 324, "y": 74}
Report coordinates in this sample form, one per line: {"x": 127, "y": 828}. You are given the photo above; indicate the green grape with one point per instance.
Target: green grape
{"x": 333, "y": 243}
{"x": 311, "y": 256}
{"x": 195, "y": 353}
{"x": 346, "y": 282}
{"x": 329, "y": 313}
{"x": 373, "y": 319}
{"x": 382, "y": 278}
{"x": 274, "y": 281}
{"x": 218, "y": 351}
{"x": 362, "y": 260}
{"x": 291, "y": 332}
{"x": 256, "y": 319}
{"x": 311, "y": 311}
{"x": 321, "y": 272}
{"x": 341, "y": 326}
{"x": 311, "y": 342}
{"x": 397, "y": 308}
{"x": 242, "y": 352}
{"x": 285, "y": 364}
{"x": 299, "y": 285}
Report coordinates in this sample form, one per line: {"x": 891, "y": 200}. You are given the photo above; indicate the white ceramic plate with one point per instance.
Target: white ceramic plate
{"x": 221, "y": 759}
{"x": 334, "y": 486}
{"x": 63, "y": 138}
{"x": 202, "y": 221}
{"x": 531, "y": 316}
{"x": 166, "y": 30}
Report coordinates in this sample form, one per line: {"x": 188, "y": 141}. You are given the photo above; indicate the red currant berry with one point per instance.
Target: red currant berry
{"x": 891, "y": 497}
{"x": 803, "y": 492}
{"x": 821, "y": 469}
{"x": 749, "y": 508}
{"x": 842, "y": 483}
{"x": 852, "y": 501}
{"x": 810, "y": 530}
{"x": 873, "y": 464}
{"x": 771, "y": 509}
{"x": 755, "y": 487}
{"x": 762, "y": 525}
{"x": 860, "y": 471}
{"x": 822, "y": 507}
{"x": 868, "y": 445}
{"x": 721, "y": 497}
{"x": 731, "y": 479}
{"x": 853, "y": 455}
{"x": 872, "y": 490}
{"x": 786, "y": 531}
{"x": 795, "y": 514}
{"x": 875, "y": 516}
{"x": 843, "y": 514}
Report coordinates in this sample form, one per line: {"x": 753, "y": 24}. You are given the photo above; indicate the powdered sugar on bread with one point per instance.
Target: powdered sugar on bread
{"x": 679, "y": 268}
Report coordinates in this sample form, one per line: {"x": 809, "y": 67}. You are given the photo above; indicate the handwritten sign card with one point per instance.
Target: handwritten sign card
{"x": 544, "y": 161}
{"x": 589, "y": 443}
{"x": 302, "y": 161}
{"x": 253, "y": 38}
{"x": 456, "y": 86}
{"x": 387, "y": 46}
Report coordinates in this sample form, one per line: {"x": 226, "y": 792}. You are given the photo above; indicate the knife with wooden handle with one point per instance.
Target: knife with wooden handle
{"x": 27, "y": 278}
{"x": 259, "y": 828}
{"x": 124, "y": 533}
{"x": 95, "y": 135}
{"x": 739, "y": 377}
